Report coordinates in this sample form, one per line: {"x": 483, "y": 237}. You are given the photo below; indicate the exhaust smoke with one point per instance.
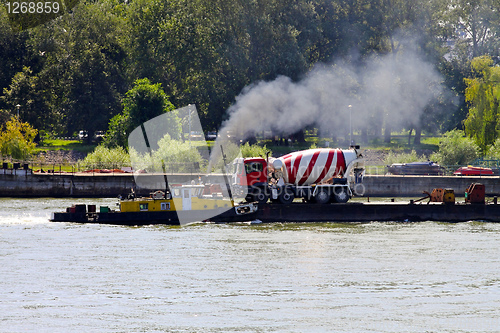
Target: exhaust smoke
{"x": 388, "y": 88}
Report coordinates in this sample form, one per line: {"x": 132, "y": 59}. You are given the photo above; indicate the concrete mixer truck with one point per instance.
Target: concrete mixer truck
{"x": 315, "y": 175}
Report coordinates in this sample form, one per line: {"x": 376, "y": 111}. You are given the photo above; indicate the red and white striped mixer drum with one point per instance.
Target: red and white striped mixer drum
{"x": 313, "y": 166}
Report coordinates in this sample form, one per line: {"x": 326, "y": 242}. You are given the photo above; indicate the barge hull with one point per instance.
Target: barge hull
{"x": 367, "y": 212}
{"x": 149, "y": 218}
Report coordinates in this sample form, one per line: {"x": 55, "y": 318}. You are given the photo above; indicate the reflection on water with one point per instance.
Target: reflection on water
{"x": 320, "y": 277}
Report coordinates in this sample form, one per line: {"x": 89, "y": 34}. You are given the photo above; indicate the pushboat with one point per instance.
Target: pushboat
{"x": 181, "y": 205}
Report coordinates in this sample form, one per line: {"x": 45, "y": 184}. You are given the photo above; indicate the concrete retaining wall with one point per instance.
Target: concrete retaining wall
{"x": 413, "y": 186}
{"x": 24, "y": 184}
{"x": 21, "y": 183}
{"x": 64, "y": 185}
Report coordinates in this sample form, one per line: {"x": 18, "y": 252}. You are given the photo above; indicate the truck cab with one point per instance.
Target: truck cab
{"x": 250, "y": 175}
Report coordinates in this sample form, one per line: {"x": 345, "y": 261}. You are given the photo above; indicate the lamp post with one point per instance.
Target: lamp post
{"x": 350, "y": 124}
{"x": 189, "y": 133}
{"x": 18, "y": 106}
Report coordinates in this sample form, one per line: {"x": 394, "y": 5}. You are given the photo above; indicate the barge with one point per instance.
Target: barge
{"x": 187, "y": 204}
{"x": 294, "y": 212}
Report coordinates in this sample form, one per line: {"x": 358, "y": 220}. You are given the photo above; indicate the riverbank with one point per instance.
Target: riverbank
{"x": 24, "y": 183}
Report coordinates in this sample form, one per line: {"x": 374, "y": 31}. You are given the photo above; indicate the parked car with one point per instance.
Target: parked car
{"x": 416, "y": 168}
{"x": 98, "y": 136}
{"x": 211, "y": 136}
{"x": 195, "y": 135}
{"x": 475, "y": 171}
{"x": 83, "y": 135}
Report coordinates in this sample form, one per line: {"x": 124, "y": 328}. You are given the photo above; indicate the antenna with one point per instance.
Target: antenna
{"x": 225, "y": 176}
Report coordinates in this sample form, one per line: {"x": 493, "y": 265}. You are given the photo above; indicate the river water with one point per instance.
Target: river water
{"x": 325, "y": 277}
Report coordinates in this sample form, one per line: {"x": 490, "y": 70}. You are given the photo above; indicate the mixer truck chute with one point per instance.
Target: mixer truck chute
{"x": 316, "y": 175}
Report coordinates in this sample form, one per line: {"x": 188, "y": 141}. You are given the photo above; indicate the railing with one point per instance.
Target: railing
{"x": 486, "y": 163}
{"x": 447, "y": 170}
{"x": 14, "y": 167}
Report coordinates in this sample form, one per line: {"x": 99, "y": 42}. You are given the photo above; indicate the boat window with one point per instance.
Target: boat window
{"x": 177, "y": 192}
{"x": 253, "y": 167}
{"x": 165, "y": 206}
{"x": 143, "y": 206}
{"x": 186, "y": 193}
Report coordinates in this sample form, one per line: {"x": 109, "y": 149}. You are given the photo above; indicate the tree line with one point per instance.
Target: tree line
{"x": 78, "y": 70}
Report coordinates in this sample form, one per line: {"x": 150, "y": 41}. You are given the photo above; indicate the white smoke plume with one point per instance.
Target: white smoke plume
{"x": 396, "y": 89}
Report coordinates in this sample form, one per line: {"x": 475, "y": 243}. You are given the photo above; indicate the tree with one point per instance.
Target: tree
{"x": 143, "y": 102}
{"x": 14, "y": 54}
{"x": 16, "y": 139}
{"x": 393, "y": 27}
{"x": 477, "y": 25}
{"x": 483, "y": 95}
{"x": 454, "y": 72}
{"x": 26, "y": 90}
{"x": 80, "y": 69}
{"x": 117, "y": 135}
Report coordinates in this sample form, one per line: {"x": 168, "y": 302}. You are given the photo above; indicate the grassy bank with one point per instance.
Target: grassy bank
{"x": 65, "y": 145}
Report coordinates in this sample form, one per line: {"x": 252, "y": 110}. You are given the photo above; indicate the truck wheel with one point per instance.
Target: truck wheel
{"x": 286, "y": 196}
{"x": 340, "y": 195}
{"x": 260, "y": 196}
{"x": 322, "y": 196}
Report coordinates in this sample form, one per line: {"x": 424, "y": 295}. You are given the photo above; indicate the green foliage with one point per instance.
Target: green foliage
{"x": 78, "y": 71}
{"x": 16, "y": 139}
{"x": 494, "y": 150}
{"x": 483, "y": 94}
{"x": 254, "y": 150}
{"x": 143, "y": 102}
{"x": 106, "y": 158}
{"x": 456, "y": 149}
{"x": 117, "y": 133}
{"x": 14, "y": 53}
{"x": 403, "y": 157}
{"x": 171, "y": 156}
{"x": 26, "y": 91}
{"x": 72, "y": 73}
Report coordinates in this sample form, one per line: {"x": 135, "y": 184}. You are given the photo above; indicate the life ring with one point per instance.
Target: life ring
{"x": 158, "y": 195}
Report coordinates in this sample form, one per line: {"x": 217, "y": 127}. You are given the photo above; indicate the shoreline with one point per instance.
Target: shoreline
{"x": 23, "y": 183}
